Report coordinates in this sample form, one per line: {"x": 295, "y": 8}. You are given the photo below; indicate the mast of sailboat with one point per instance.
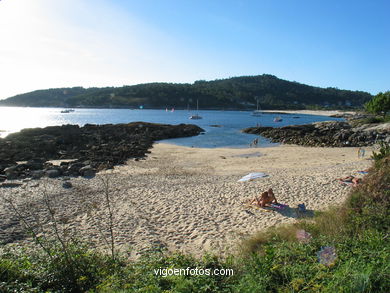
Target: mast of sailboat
{"x": 258, "y": 107}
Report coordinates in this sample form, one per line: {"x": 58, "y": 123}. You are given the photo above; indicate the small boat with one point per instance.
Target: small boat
{"x": 278, "y": 119}
{"x": 67, "y": 111}
{"x": 257, "y": 112}
{"x": 196, "y": 116}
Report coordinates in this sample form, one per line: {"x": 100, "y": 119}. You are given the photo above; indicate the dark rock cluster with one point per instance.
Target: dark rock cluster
{"x": 330, "y": 134}
{"x": 89, "y": 148}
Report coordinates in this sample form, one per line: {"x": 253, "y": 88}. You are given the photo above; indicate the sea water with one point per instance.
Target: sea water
{"x": 222, "y": 128}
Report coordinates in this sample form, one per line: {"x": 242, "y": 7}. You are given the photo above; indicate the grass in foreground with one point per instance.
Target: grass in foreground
{"x": 345, "y": 249}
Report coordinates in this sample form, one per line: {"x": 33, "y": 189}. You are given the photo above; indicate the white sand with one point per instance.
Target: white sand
{"x": 311, "y": 112}
{"x": 188, "y": 199}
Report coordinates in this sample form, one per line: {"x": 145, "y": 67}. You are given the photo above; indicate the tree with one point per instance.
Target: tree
{"x": 380, "y": 104}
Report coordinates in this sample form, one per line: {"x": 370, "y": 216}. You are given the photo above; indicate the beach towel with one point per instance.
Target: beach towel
{"x": 346, "y": 182}
{"x": 262, "y": 209}
{"x": 279, "y": 206}
{"x": 248, "y": 205}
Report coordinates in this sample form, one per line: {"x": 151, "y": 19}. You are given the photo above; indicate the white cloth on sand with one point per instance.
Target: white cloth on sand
{"x": 252, "y": 176}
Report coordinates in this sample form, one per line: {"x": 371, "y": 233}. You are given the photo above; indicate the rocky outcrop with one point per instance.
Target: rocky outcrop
{"x": 330, "y": 133}
{"x": 90, "y": 148}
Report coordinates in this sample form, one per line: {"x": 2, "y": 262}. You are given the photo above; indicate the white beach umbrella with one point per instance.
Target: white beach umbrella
{"x": 252, "y": 176}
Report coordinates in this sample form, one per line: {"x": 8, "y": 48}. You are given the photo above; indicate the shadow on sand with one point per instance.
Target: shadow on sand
{"x": 293, "y": 212}
{"x": 285, "y": 211}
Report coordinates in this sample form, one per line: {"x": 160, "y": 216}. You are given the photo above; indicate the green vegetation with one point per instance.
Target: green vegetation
{"x": 345, "y": 249}
{"x": 384, "y": 151}
{"x": 233, "y": 93}
{"x": 380, "y": 104}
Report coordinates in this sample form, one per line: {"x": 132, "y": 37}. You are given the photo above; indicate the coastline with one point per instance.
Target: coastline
{"x": 312, "y": 112}
{"x": 188, "y": 199}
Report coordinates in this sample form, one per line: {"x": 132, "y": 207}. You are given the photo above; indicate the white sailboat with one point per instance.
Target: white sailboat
{"x": 67, "y": 111}
{"x": 196, "y": 116}
{"x": 257, "y": 112}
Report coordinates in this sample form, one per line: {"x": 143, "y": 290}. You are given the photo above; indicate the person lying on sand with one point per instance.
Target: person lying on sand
{"x": 266, "y": 198}
{"x": 351, "y": 179}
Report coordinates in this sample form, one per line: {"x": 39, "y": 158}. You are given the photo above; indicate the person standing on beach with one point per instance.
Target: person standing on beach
{"x": 361, "y": 153}
{"x": 255, "y": 142}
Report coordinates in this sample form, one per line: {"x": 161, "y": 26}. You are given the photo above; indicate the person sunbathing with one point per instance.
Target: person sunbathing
{"x": 266, "y": 198}
{"x": 351, "y": 179}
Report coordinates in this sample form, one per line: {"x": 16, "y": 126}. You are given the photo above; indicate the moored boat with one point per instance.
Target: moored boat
{"x": 196, "y": 116}
{"x": 67, "y": 111}
{"x": 257, "y": 112}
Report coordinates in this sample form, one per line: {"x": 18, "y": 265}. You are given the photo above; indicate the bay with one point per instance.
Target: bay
{"x": 222, "y": 128}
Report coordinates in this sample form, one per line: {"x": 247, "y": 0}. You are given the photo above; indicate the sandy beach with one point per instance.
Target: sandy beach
{"x": 187, "y": 199}
{"x": 311, "y": 112}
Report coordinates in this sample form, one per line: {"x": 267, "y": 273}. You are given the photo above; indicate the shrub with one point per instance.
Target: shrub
{"x": 35, "y": 270}
{"x": 384, "y": 151}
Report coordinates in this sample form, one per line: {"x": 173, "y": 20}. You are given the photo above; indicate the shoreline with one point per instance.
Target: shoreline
{"x": 308, "y": 112}
{"x": 312, "y": 112}
{"x": 4, "y": 132}
{"x": 188, "y": 199}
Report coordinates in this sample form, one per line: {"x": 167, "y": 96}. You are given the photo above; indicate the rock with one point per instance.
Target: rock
{"x": 74, "y": 168}
{"x": 53, "y": 173}
{"x": 35, "y": 164}
{"x": 5, "y": 163}
{"x": 100, "y": 146}
{"x": 37, "y": 174}
{"x": 11, "y": 169}
{"x": 10, "y": 184}
{"x": 12, "y": 172}
{"x": 48, "y": 165}
{"x": 330, "y": 133}
{"x": 64, "y": 164}
{"x": 67, "y": 184}
{"x": 87, "y": 171}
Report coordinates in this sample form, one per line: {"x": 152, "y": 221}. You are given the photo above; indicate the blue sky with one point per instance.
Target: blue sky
{"x": 53, "y": 43}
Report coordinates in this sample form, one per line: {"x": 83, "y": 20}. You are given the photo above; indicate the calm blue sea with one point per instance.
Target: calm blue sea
{"x": 228, "y": 133}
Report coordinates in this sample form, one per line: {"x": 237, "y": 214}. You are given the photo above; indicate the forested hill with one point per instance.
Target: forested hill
{"x": 231, "y": 93}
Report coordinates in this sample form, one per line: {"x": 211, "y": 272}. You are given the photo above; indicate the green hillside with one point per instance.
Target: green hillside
{"x": 232, "y": 93}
